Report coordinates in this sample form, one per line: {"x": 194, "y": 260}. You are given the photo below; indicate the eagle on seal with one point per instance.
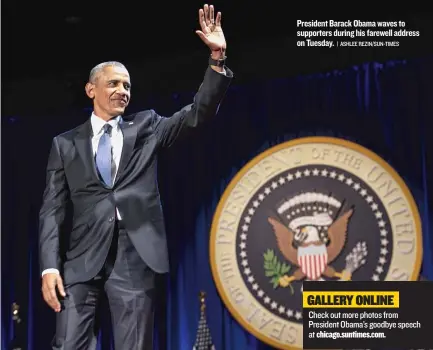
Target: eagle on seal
{"x": 307, "y": 248}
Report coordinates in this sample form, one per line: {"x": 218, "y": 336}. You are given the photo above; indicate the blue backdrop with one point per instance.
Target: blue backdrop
{"x": 386, "y": 107}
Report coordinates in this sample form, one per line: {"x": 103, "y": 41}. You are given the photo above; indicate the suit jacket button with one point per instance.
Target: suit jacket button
{"x": 111, "y": 219}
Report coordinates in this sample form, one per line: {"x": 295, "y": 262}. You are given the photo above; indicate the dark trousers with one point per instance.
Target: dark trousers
{"x": 129, "y": 285}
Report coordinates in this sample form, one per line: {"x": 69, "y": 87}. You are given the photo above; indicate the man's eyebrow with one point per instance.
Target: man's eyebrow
{"x": 118, "y": 80}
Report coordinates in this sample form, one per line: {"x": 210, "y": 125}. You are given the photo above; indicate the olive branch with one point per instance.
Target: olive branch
{"x": 274, "y": 268}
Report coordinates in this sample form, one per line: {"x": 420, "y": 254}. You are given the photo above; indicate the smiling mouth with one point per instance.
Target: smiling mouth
{"x": 121, "y": 102}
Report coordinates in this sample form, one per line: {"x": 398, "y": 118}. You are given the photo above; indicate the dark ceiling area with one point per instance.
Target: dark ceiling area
{"x": 71, "y": 36}
{"x": 47, "y": 45}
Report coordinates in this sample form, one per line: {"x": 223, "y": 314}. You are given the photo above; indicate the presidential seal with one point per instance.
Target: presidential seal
{"x": 317, "y": 209}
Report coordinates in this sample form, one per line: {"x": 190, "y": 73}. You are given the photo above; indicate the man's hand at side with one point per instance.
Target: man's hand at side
{"x": 50, "y": 282}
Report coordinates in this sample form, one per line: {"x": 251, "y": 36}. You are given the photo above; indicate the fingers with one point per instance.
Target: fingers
{"x": 211, "y": 15}
{"x": 206, "y": 14}
{"x": 60, "y": 287}
{"x": 218, "y": 19}
{"x": 49, "y": 292}
{"x": 207, "y": 17}
{"x": 202, "y": 20}
{"x": 50, "y": 297}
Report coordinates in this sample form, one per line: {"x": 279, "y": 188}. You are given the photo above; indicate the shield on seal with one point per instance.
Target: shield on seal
{"x": 313, "y": 260}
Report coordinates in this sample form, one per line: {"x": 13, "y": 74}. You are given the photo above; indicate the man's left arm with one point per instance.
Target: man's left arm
{"x": 204, "y": 107}
{"x": 212, "y": 90}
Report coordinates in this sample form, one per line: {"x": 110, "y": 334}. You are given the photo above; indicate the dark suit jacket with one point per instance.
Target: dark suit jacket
{"x": 72, "y": 177}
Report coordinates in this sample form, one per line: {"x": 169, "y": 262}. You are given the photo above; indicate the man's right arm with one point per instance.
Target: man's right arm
{"x": 51, "y": 217}
{"x": 52, "y": 212}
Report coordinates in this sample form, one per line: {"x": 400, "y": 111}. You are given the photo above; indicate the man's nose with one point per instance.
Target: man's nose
{"x": 122, "y": 90}
{"x": 123, "y": 94}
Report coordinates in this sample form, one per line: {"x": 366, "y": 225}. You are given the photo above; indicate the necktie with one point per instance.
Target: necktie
{"x": 104, "y": 159}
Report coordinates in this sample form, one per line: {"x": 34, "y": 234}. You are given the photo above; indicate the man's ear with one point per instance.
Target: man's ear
{"x": 90, "y": 90}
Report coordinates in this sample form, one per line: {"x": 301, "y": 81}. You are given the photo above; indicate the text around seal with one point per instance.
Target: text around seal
{"x": 315, "y": 208}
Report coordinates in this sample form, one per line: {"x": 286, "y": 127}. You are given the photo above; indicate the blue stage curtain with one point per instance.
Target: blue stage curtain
{"x": 386, "y": 107}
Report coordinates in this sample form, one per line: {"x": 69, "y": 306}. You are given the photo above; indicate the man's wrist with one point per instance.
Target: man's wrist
{"x": 218, "y": 54}
{"x": 217, "y": 60}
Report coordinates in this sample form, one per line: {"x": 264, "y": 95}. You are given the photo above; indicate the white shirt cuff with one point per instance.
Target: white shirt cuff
{"x": 50, "y": 271}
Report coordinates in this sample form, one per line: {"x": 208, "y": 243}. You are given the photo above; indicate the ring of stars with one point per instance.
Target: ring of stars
{"x": 282, "y": 180}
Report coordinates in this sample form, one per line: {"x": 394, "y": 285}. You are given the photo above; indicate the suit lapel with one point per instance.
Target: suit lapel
{"x": 83, "y": 144}
{"x": 129, "y": 131}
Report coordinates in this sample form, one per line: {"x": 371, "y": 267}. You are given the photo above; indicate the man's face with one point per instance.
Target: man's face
{"x": 111, "y": 92}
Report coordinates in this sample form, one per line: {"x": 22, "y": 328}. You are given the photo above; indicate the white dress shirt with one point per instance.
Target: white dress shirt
{"x": 116, "y": 146}
{"x": 116, "y": 140}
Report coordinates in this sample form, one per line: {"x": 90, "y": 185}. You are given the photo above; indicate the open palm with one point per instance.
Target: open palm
{"x": 211, "y": 31}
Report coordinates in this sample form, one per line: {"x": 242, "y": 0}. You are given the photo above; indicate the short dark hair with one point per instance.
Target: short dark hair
{"x": 98, "y": 68}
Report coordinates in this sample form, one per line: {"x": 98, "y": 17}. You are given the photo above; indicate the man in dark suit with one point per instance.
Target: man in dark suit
{"x": 106, "y": 168}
